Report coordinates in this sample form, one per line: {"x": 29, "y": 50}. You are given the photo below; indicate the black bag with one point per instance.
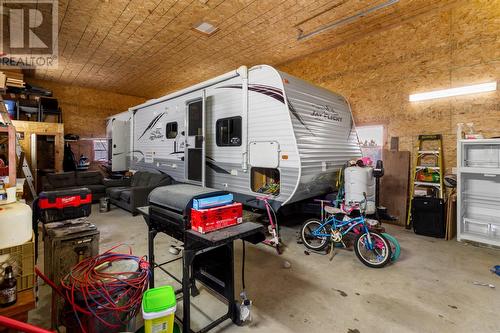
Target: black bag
{"x": 427, "y": 216}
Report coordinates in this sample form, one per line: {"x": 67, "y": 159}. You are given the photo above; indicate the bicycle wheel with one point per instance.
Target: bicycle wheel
{"x": 395, "y": 248}
{"x": 311, "y": 241}
{"x": 379, "y": 256}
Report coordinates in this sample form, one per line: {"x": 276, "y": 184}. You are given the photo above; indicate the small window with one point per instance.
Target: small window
{"x": 100, "y": 150}
{"x": 371, "y": 140}
{"x": 265, "y": 180}
{"x": 171, "y": 130}
{"x": 228, "y": 131}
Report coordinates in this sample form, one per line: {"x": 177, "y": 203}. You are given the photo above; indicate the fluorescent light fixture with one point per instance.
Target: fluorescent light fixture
{"x": 342, "y": 21}
{"x": 205, "y": 28}
{"x": 465, "y": 90}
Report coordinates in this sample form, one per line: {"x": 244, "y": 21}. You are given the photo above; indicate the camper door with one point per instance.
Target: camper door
{"x": 195, "y": 140}
{"x": 120, "y": 141}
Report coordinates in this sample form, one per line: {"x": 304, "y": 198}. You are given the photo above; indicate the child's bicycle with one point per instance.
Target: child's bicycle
{"x": 371, "y": 248}
{"x": 274, "y": 240}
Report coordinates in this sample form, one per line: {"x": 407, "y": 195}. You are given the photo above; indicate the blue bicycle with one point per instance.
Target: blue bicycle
{"x": 371, "y": 248}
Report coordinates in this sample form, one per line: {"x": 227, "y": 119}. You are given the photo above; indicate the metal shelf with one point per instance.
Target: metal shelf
{"x": 427, "y": 184}
{"x": 485, "y": 219}
{"x": 478, "y": 238}
{"x": 475, "y": 196}
{"x": 480, "y": 141}
{"x": 481, "y": 171}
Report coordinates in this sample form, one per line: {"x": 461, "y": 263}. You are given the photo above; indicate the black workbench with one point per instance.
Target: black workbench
{"x": 197, "y": 257}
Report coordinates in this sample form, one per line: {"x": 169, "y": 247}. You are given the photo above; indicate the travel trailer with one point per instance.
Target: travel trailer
{"x": 252, "y": 132}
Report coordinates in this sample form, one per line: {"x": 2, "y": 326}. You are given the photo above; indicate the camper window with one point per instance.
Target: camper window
{"x": 171, "y": 130}
{"x": 265, "y": 180}
{"x": 228, "y": 131}
{"x": 100, "y": 150}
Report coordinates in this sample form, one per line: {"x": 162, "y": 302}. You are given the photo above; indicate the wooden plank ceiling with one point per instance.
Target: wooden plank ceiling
{"x": 148, "y": 47}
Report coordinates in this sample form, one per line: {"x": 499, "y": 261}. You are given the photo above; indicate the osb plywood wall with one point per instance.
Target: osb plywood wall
{"x": 455, "y": 47}
{"x": 84, "y": 109}
{"x": 30, "y": 127}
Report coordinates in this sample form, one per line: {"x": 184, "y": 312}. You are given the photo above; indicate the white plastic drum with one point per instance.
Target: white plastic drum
{"x": 359, "y": 180}
{"x": 15, "y": 224}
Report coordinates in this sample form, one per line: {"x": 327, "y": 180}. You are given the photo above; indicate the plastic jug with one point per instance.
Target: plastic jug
{"x": 15, "y": 224}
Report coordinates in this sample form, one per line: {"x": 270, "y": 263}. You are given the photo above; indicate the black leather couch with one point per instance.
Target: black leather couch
{"x": 93, "y": 180}
{"x": 131, "y": 193}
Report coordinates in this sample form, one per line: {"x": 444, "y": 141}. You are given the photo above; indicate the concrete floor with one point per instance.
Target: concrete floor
{"x": 428, "y": 290}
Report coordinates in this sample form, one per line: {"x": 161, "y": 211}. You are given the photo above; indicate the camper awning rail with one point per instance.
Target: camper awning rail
{"x": 190, "y": 89}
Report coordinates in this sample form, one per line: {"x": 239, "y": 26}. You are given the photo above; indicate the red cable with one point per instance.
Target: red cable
{"x": 20, "y": 326}
{"x": 101, "y": 295}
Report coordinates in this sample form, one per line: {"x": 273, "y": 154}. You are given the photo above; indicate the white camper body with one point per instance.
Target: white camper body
{"x": 118, "y": 134}
{"x": 248, "y": 131}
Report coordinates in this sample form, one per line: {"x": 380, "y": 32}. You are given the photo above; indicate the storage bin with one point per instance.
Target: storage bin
{"x": 64, "y": 204}
{"x": 206, "y": 220}
{"x": 10, "y": 105}
{"x": 22, "y": 259}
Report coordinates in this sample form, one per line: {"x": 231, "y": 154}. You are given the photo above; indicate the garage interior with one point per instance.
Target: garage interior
{"x": 250, "y": 166}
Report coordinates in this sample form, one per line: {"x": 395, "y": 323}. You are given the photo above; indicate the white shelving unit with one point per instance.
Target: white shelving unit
{"x": 478, "y": 191}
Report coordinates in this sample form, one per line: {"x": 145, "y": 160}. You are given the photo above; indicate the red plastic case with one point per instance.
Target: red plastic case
{"x": 64, "y": 204}
{"x": 211, "y": 219}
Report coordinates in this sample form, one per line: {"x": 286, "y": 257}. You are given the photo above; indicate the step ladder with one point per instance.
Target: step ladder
{"x": 418, "y": 166}
{"x": 4, "y": 117}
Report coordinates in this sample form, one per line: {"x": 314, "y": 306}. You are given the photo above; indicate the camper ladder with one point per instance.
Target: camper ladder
{"x": 433, "y": 170}
{"x": 19, "y": 150}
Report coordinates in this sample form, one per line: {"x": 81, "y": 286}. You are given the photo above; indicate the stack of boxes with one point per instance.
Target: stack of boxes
{"x": 213, "y": 213}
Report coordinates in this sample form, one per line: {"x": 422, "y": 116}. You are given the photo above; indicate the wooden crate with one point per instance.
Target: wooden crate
{"x": 22, "y": 259}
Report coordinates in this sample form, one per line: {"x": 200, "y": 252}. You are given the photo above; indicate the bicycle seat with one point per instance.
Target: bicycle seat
{"x": 333, "y": 210}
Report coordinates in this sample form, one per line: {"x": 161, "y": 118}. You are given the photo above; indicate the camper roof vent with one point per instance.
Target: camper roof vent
{"x": 205, "y": 28}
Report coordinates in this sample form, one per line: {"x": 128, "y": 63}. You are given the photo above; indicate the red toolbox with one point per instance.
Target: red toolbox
{"x": 206, "y": 220}
{"x": 64, "y": 204}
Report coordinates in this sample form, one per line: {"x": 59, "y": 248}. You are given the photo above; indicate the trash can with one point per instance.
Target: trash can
{"x": 158, "y": 310}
